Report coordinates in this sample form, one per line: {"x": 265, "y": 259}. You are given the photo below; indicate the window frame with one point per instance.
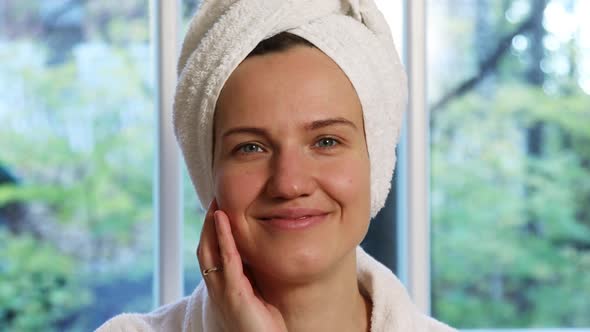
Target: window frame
{"x": 414, "y": 220}
{"x": 168, "y": 198}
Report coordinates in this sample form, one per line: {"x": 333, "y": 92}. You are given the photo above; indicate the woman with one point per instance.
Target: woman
{"x": 293, "y": 147}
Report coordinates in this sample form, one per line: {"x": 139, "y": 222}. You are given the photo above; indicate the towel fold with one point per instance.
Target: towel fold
{"x": 353, "y": 33}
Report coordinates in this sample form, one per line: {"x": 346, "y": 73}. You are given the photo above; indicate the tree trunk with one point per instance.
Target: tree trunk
{"x": 535, "y": 77}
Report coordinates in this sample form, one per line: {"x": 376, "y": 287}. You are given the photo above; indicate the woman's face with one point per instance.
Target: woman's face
{"x": 291, "y": 167}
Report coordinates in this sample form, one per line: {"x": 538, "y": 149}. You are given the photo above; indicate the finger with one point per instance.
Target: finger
{"x": 208, "y": 250}
{"x": 230, "y": 257}
{"x": 208, "y": 239}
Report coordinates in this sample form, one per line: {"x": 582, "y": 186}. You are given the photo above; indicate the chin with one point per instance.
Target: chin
{"x": 294, "y": 273}
{"x": 295, "y": 266}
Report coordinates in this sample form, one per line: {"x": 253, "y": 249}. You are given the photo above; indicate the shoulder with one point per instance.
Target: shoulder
{"x": 166, "y": 318}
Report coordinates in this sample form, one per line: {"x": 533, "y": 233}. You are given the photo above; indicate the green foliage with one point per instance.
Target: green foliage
{"x": 39, "y": 285}
{"x": 510, "y": 167}
{"x": 78, "y": 161}
{"x": 490, "y": 267}
{"x": 79, "y": 136}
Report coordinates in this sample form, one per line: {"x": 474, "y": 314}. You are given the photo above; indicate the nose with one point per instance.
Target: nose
{"x": 292, "y": 175}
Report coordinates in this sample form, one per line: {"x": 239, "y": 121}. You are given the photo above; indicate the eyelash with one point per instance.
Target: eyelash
{"x": 240, "y": 148}
{"x": 335, "y": 141}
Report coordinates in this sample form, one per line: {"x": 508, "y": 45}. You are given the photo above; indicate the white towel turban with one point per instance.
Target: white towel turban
{"x": 353, "y": 33}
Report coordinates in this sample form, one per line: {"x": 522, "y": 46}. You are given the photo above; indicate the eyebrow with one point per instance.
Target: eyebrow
{"x": 329, "y": 122}
{"x": 245, "y": 130}
{"x": 310, "y": 127}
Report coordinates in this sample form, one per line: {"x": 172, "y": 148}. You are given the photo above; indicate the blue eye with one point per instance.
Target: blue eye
{"x": 250, "y": 148}
{"x": 326, "y": 142}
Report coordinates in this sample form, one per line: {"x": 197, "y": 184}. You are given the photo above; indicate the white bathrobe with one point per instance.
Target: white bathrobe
{"x": 393, "y": 310}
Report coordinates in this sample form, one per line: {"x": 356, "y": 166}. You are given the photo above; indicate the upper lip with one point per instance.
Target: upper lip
{"x": 292, "y": 213}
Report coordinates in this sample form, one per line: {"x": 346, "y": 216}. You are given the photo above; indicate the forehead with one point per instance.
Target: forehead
{"x": 299, "y": 85}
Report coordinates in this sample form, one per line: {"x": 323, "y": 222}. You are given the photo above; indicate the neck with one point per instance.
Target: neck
{"x": 329, "y": 303}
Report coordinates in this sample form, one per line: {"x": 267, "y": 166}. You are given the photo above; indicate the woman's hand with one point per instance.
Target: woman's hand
{"x": 230, "y": 289}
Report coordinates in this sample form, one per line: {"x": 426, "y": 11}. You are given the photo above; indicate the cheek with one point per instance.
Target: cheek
{"x": 349, "y": 184}
{"x": 236, "y": 188}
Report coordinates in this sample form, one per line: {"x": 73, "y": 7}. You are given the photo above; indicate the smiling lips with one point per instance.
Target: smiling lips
{"x": 293, "y": 218}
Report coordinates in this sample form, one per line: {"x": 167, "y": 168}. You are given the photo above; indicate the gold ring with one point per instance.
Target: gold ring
{"x": 212, "y": 269}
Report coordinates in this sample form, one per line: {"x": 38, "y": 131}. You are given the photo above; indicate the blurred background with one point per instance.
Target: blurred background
{"x": 509, "y": 95}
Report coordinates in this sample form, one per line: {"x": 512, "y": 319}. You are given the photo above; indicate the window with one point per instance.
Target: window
{"x": 509, "y": 101}
{"x": 489, "y": 228}
{"x": 76, "y": 163}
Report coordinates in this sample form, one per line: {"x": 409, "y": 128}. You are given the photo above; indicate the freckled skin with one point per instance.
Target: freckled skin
{"x": 281, "y": 93}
